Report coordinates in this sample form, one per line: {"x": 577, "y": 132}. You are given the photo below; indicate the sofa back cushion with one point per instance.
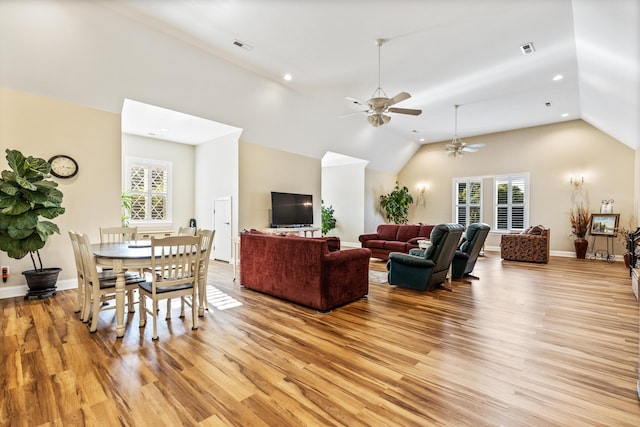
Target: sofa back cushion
{"x": 425, "y": 231}
{"x": 407, "y": 232}
{"x": 387, "y": 231}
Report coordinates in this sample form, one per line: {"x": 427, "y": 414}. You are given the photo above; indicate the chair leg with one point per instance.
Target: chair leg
{"x": 155, "y": 321}
{"x": 182, "y": 307}
{"x": 80, "y": 297}
{"x": 86, "y": 308}
{"x": 194, "y": 313}
{"x": 168, "y": 316}
{"x": 143, "y": 310}
{"x": 95, "y": 313}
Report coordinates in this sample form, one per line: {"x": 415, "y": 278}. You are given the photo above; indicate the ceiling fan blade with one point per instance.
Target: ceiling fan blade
{"x": 469, "y": 149}
{"x": 399, "y": 98}
{"x": 405, "y": 111}
{"x": 353, "y": 113}
{"x": 479, "y": 145}
{"x": 358, "y": 101}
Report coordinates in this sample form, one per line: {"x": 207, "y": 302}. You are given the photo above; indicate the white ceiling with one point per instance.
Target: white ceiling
{"x": 180, "y": 56}
{"x": 443, "y": 52}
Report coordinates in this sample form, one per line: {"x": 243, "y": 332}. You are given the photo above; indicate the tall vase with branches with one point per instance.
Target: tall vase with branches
{"x": 580, "y": 220}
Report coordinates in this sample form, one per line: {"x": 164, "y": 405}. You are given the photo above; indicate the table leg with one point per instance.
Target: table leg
{"x": 117, "y": 268}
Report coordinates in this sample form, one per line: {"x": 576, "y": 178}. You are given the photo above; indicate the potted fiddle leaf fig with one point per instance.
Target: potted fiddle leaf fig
{"x": 396, "y": 204}
{"x": 28, "y": 200}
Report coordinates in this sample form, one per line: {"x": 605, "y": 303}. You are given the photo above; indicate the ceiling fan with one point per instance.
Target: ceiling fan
{"x": 379, "y": 105}
{"x": 456, "y": 148}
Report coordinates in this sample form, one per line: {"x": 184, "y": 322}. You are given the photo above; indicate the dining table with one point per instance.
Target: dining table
{"x": 135, "y": 256}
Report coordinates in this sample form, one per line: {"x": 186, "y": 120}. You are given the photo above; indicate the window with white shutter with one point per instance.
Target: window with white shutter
{"x": 468, "y": 197}
{"x": 511, "y": 202}
{"x": 147, "y": 181}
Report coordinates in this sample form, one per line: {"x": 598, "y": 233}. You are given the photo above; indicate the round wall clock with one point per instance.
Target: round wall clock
{"x": 63, "y": 166}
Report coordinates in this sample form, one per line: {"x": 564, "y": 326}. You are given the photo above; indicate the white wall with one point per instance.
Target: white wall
{"x": 343, "y": 189}
{"x": 182, "y": 157}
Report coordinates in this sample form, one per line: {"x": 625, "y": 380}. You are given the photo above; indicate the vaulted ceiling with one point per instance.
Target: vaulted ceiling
{"x": 442, "y": 52}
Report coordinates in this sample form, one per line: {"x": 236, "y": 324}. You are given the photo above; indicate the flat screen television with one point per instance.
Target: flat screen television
{"x": 291, "y": 210}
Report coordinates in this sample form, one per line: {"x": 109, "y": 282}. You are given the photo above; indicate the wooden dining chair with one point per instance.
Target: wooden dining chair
{"x": 207, "y": 244}
{"x": 75, "y": 245}
{"x": 100, "y": 287}
{"x": 118, "y": 234}
{"x": 175, "y": 265}
{"x": 187, "y": 231}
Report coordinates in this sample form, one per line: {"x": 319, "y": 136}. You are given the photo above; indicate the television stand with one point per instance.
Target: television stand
{"x": 291, "y": 230}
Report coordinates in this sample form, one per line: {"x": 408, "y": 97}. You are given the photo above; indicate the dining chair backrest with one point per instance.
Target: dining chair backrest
{"x": 207, "y": 244}
{"x": 186, "y": 231}
{"x": 75, "y": 245}
{"x": 118, "y": 234}
{"x": 88, "y": 260}
{"x": 176, "y": 260}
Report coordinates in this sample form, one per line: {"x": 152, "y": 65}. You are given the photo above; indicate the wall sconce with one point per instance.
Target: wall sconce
{"x": 421, "y": 187}
{"x": 576, "y": 183}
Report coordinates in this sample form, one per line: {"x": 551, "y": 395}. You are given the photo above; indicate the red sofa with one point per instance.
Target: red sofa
{"x": 303, "y": 270}
{"x": 394, "y": 238}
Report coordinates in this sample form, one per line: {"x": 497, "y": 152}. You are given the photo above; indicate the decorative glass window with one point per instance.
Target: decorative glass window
{"x": 468, "y": 199}
{"x": 511, "y": 202}
{"x": 147, "y": 181}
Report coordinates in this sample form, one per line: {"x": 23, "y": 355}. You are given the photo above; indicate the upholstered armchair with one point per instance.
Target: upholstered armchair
{"x": 467, "y": 253}
{"x": 532, "y": 245}
{"x": 425, "y": 269}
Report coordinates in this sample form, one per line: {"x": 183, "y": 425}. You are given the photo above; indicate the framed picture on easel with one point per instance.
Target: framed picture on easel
{"x": 604, "y": 224}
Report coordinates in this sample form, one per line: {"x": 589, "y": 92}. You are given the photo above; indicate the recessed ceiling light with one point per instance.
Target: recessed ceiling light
{"x": 164, "y": 130}
{"x": 564, "y": 115}
{"x": 421, "y": 139}
{"x": 288, "y": 77}
{"x": 558, "y": 77}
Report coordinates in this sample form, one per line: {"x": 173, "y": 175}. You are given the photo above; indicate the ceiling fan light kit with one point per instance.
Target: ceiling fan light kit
{"x": 457, "y": 147}
{"x": 380, "y": 104}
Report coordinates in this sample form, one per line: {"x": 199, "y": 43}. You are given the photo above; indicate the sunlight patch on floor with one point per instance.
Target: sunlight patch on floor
{"x": 220, "y": 300}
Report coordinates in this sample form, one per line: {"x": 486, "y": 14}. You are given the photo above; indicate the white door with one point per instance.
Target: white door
{"x": 222, "y": 224}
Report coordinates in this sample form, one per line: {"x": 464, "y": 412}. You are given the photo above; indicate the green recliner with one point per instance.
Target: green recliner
{"x": 467, "y": 254}
{"x": 425, "y": 269}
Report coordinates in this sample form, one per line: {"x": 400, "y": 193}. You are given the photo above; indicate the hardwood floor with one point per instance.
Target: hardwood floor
{"x": 525, "y": 345}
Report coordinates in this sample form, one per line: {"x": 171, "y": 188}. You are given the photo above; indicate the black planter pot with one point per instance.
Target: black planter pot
{"x": 42, "y": 284}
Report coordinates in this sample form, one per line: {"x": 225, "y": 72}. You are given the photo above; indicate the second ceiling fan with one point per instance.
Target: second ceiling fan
{"x": 379, "y": 105}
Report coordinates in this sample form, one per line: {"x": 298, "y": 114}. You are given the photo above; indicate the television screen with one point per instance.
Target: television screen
{"x": 291, "y": 210}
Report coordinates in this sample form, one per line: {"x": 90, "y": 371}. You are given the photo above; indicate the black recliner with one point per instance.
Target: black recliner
{"x": 467, "y": 253}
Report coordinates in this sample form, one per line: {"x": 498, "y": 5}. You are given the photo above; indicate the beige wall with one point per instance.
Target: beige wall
{"x": 376, "y": 184}
{"x": 43, "y": 127}
{"x": 263, "y": 170}
{"x": 182, "y": 158}
{"x": 551, "y": 155}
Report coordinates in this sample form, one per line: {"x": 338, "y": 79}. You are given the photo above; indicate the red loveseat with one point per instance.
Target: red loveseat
{"x": 303, "y": 270}
{"x": 394, "y": 238}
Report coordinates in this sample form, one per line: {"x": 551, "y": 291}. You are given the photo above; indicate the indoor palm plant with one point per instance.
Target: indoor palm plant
{"x": 27, "y": 201}
{"x": 396, "y": 204}
{"x": 580, "y": 220}
{"x": 328, "y": 220}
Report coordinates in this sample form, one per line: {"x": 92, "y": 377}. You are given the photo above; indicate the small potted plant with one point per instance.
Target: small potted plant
{"x": 27, "y": 201}
{"x": 396, "y": 204}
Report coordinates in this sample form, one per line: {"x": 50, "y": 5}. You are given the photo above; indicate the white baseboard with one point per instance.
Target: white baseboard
{"x": 22, "y": 289}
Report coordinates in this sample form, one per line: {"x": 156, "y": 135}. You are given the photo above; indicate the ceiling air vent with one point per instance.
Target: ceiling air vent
{"x": 242, "y": 45}
{"x": 527, "y": 48}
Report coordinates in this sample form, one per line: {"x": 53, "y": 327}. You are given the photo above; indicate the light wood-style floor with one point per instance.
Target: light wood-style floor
{"x": 525, "y": 345}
